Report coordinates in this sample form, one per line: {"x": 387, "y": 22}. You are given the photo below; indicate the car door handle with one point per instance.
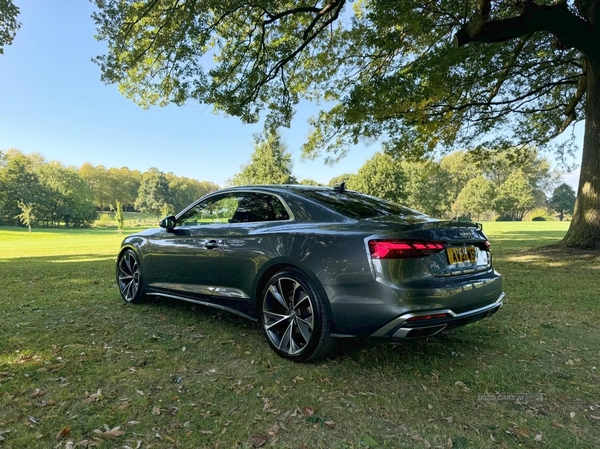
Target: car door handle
{"x": 212, "y": 244}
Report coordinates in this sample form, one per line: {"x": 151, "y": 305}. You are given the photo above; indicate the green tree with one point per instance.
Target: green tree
{"x": 9, "y": 25}
{"x": 337, "y": 180}
{"x": 153, "y": 194}
{"x": 475, "y": 198}
{"x": 456, "y": 170}
{"x": 515, "y": 197}
{"x": 563, "y": 200}
{"x": 380, "y": 176}
{"x": 427, "y": 187}
{"x": 119, "y": 217}
{"x": 309, "y": 182}
{"x": 98, "y": 180}
{"x": 425, "y": 77}
{"x": 26, "y": 215}
{"x": 270, "y": 164}
{"x": 68, "y": 197}
{"x": 183, "y": 191}
{"x": 19, "y": 183}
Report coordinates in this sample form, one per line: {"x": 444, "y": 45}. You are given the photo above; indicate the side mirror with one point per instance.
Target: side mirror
{"x": 168, "y": 222}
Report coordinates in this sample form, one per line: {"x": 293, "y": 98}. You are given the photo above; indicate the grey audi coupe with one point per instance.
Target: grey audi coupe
{"x": 312, "y": 264}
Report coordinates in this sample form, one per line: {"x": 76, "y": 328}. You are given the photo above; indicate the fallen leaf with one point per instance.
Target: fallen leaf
{"x": 156, "y": 410}
{"x": 521, "y": 432}
{"x": 330, "y": 424}
{"x": 69, "y": 445}
{"x": 570, "y": 362}
{"x": 274, "y": 430}
{"x": 258, "y": 440}
{"x": 93, "y": 397}
{"x": 37, "y": 392}
{"x": 308, "y": 411}
{"x": 64, "y": 432}
{"x": 572, "y": 415}
{"x": 462, "y": 386}
{"x": 112, "y": 433}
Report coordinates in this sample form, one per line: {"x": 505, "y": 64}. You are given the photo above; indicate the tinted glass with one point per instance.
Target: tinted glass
{"x": 255, "y": 207}
{"x": 218, "y": 209}
{"x": 359, "y": 206}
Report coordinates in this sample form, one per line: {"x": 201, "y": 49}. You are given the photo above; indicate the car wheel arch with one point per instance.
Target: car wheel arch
{"x": 139, "y": 256}
{"x": 276, "y": 265}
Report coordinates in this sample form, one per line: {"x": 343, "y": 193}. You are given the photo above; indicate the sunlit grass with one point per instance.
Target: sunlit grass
{"x": 73, "y": 355}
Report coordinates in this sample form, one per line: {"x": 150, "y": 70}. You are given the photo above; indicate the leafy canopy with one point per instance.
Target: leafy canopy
{"x": 270, "y": 164}
{"x": 563, "y": 200}
{"x": 380, "y": 176}
{"x": 153, "y": 194}
{"x": 8, "y": 23}
{"x": 387, "y": 69}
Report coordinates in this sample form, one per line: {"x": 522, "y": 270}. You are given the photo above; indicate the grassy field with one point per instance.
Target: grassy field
{"x": 131, "y": 219}
{"x": 79, "y": 366}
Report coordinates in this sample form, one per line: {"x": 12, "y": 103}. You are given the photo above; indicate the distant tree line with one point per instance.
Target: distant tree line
{"x": 34, "y": 192}
{"x": 504, "y": 184}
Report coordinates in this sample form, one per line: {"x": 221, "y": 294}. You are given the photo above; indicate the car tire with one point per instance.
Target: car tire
{"x": 294, "y": 318}
{"x": 129, "y": 277}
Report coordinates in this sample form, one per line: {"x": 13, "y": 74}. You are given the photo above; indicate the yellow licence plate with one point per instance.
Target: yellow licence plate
{"x": 461, "y": 255}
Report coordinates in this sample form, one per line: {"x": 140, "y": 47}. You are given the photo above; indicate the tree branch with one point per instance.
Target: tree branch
{"x": 275, "y": 17}
{"x": 507, "y": 67}
{"x": 569, "y": 29}
{"x": 570, "y": 109}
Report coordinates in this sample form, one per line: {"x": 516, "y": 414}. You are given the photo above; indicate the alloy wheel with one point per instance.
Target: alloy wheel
{"x": 129, "y": 276}
{"x": 288, "y": 315}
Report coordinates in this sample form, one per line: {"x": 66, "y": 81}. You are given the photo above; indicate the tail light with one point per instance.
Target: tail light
{"x": 399, "y": 249}
{"x": 484, "y": 246}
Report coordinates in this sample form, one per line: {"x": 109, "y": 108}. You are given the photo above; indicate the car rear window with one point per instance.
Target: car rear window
{"x": 359, "y": 206}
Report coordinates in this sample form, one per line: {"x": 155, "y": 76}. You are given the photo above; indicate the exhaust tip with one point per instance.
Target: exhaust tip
{"x": 418, "y": 332}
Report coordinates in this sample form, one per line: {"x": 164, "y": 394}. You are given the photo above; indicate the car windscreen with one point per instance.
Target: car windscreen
{"x": 359, "y": 206}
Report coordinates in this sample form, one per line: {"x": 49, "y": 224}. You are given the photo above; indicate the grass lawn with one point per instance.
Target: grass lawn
{"x": 78, "y": 365}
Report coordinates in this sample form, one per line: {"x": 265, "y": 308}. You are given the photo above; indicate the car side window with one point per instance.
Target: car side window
{"x": 256, "y": 207}
{"x": 218, "y": 209}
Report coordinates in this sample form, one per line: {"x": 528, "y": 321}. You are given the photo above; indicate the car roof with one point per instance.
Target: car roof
{"x": 293, "y": 188}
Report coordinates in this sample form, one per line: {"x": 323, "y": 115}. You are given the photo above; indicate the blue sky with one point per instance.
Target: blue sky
{"x": 52, "y": 102}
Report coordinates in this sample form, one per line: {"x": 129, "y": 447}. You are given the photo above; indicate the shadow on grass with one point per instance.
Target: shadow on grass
{"x": 78, "y": 293}
{"x": 9, "y": 230}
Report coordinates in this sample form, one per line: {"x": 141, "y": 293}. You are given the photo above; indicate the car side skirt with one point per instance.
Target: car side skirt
{"x": 202, "y": 302}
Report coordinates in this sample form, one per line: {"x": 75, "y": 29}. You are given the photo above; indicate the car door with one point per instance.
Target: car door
{"x": 187, "y": 259}
{"x": 248, "y": 245}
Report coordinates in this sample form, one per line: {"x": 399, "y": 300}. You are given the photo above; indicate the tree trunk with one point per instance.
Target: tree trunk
{"x": 584, "y": 231}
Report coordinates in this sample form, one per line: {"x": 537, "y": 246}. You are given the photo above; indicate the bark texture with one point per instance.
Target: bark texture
{"x": 584, "y": 231}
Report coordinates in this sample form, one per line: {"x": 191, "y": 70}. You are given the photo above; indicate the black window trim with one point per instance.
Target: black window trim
{"x": 233, "y": 192}
{"x": 281, "y": 200}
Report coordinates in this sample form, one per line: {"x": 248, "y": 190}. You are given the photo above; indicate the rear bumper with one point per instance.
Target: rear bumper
{"x": 362, "y": 310}
{"x": 430, "y": 323}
